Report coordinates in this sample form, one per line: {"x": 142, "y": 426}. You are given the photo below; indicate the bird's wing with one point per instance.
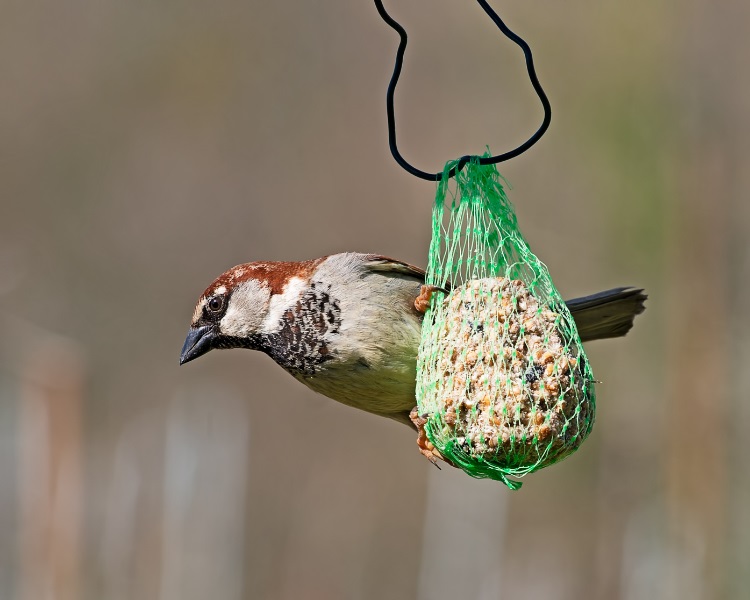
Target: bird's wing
{"x": 383, "y": 264}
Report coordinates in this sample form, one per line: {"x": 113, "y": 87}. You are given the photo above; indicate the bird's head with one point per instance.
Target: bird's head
{"x": 243, "y": 306}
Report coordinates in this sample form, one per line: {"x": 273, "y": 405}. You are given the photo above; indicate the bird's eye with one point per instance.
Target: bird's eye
{"x": 216, "y": 303}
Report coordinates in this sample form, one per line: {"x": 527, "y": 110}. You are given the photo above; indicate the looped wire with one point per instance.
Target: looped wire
{"x": 484, "y": 160}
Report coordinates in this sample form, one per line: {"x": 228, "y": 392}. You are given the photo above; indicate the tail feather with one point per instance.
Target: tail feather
{"x": 607, "y": 314}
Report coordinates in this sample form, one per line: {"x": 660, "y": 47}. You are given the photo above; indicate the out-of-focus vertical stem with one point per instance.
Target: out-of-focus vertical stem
{"x": 50, "y": 473}
{"x": 696, "y": 366}
{"x": 464, "y": 537}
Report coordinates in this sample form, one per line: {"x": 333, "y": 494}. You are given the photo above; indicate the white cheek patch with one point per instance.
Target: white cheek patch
{"x": 281, "y": 302}
{"x": 247, "y": 307}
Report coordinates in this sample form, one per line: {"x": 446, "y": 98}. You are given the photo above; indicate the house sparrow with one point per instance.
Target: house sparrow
{"x": 348, "y": 325}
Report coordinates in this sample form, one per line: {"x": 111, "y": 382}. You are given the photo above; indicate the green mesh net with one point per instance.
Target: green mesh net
{"x": 502, "y": 376}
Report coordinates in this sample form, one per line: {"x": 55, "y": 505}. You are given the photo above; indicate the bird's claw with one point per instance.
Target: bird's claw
{"x": 422, "y": 302}
{"x": 426, "y": 447}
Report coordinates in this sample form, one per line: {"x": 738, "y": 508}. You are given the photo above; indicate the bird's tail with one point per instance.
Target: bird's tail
{"x": 607, "y": 314}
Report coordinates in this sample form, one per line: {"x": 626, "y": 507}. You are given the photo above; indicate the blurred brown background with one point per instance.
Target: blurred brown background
{"x": 146, "y": 147}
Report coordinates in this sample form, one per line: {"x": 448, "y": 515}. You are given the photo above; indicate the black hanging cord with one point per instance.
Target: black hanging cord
{"x": 485, "y": 160}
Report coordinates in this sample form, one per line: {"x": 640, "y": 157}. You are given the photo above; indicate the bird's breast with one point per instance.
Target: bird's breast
{"x": 302, "y": 342}
{"x": 354, "y": 338}
{"x": 370, "y": 365}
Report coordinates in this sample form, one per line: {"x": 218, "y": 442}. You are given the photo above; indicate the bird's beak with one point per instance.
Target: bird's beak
{"x": 197, "y": 343}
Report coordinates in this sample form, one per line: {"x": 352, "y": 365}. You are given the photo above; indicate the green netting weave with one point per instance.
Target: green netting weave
{"x": 502, "y": 375}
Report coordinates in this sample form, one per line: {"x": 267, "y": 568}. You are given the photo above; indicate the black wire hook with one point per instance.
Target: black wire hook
{"x": 485, "y": 160}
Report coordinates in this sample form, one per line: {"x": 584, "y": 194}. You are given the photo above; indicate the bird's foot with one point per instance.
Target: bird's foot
{"x": 422, "y": 303}
{"x": 426, "y": 447}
